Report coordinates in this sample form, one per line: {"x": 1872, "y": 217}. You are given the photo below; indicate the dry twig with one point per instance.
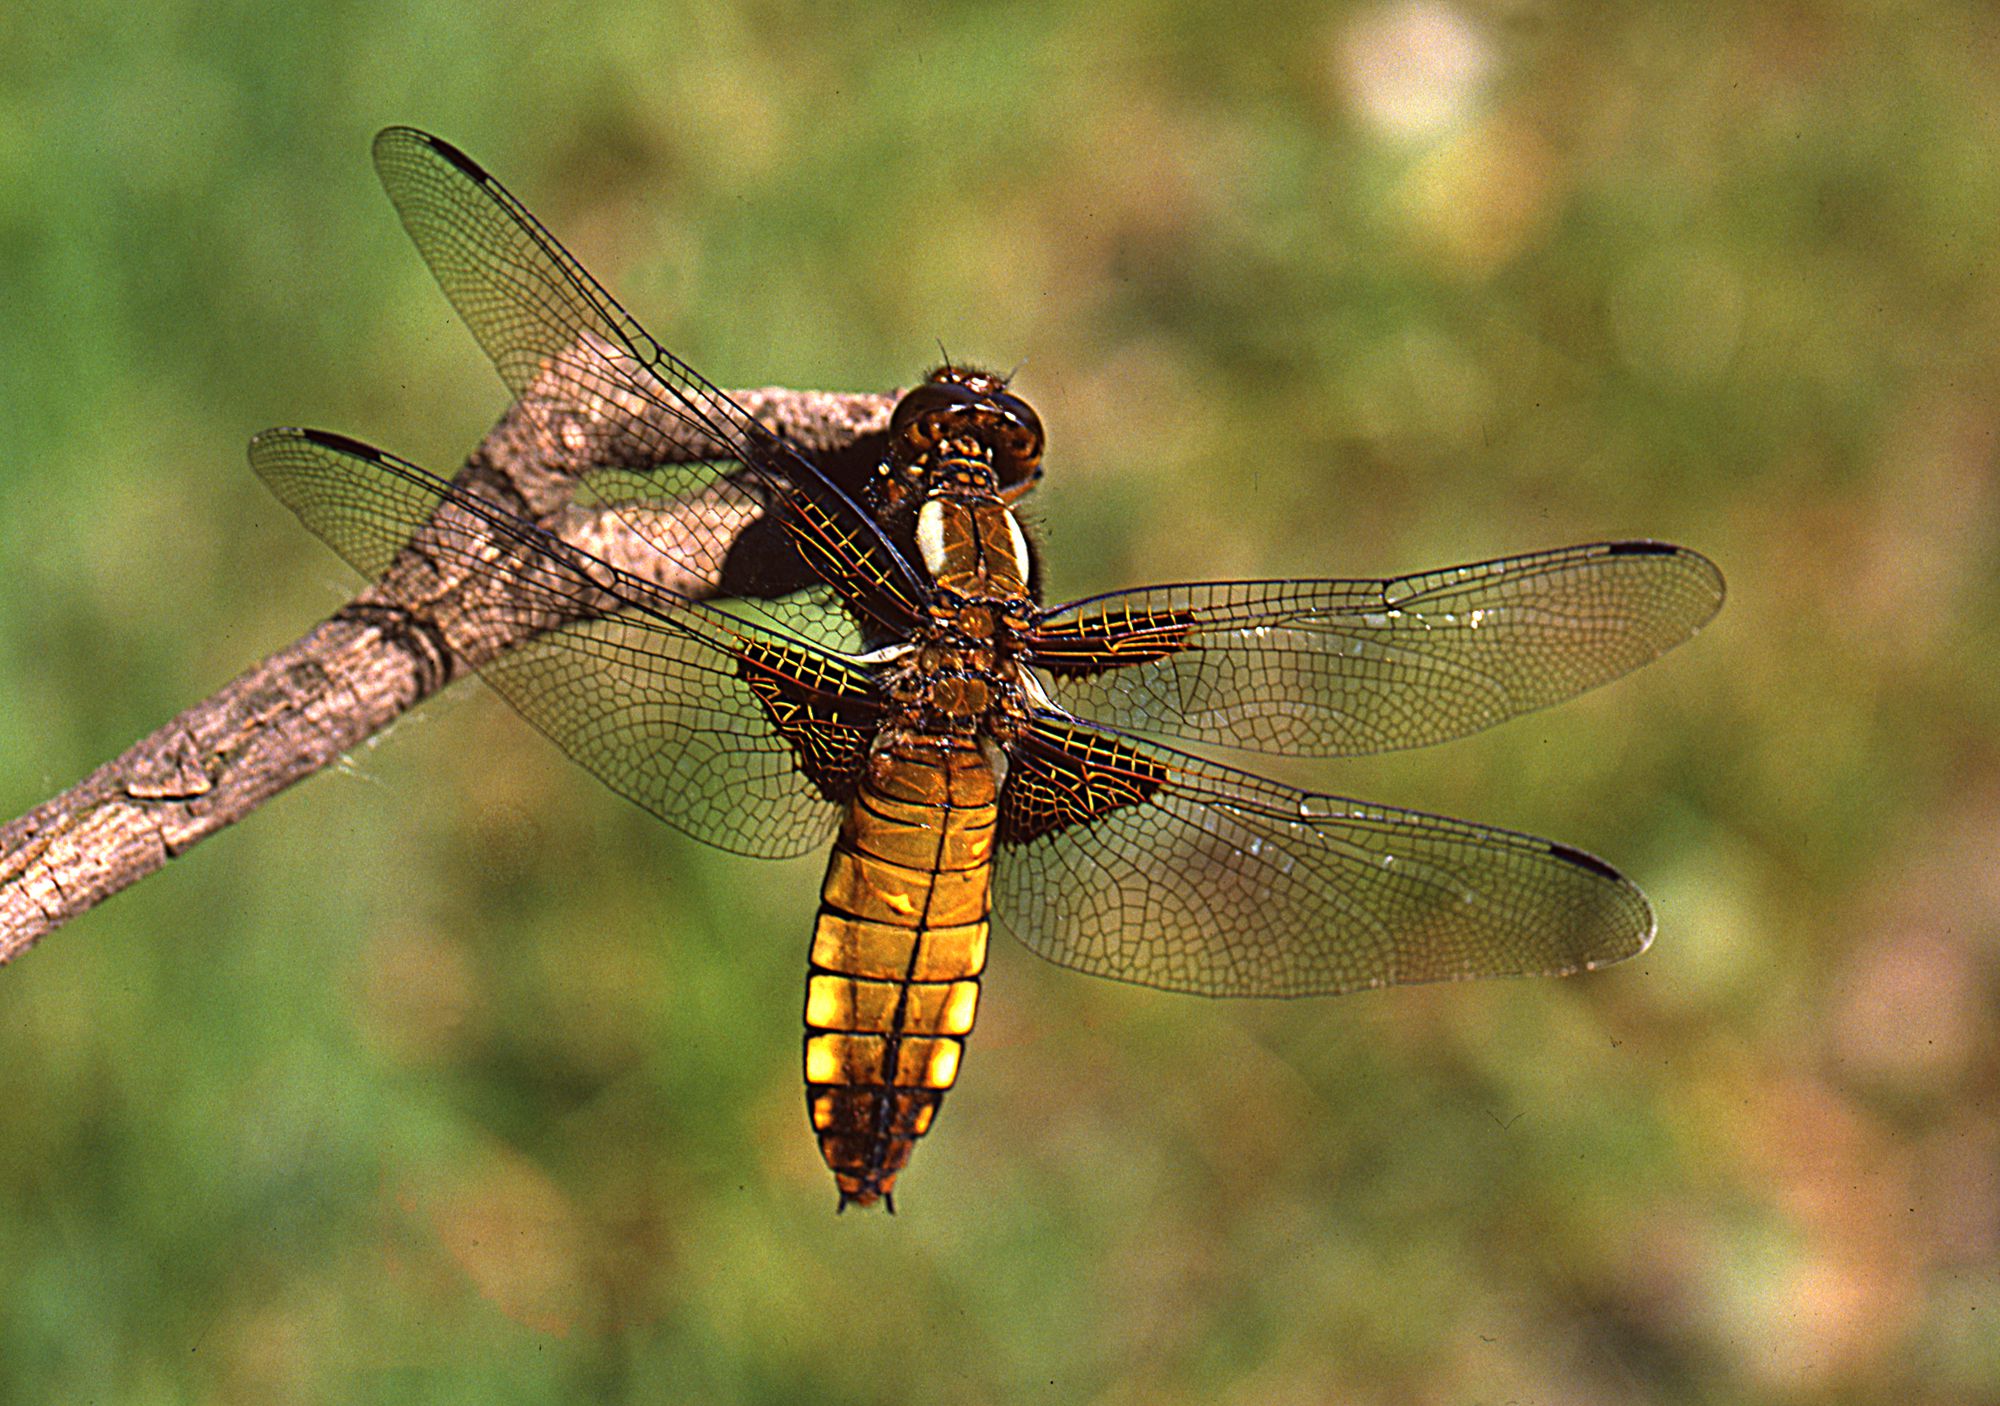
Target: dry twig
{"x": 398, "y": 642}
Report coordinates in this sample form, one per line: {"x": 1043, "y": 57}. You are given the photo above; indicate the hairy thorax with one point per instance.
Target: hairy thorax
{"x": 962, "y": 675}
{"x": 962, "y": 451}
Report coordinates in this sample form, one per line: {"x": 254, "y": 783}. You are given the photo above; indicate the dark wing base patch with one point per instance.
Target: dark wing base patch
{"x": 1059, "y": 776}
{"x": 1111, "y": 639}
{"x": 827, "y": 719}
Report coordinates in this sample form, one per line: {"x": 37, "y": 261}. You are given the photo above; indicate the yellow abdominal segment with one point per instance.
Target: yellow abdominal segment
{"x": 897, "y": 951}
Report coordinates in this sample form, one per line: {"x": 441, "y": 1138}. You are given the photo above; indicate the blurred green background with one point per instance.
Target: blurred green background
{"x": 451, "y": 1077}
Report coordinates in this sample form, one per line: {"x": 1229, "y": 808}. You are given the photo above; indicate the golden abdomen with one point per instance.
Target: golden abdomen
{"x": 897, "y": 951}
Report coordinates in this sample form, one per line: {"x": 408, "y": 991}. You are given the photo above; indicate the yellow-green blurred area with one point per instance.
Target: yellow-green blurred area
{"x": 449, "y": 1076}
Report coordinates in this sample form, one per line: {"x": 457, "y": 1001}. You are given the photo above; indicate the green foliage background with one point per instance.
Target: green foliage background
{"x": 450, "y": 1077}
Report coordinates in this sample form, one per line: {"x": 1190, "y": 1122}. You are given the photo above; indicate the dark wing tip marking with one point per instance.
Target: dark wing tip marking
{"x": 1587, "y": 862}
{"x": 1646, "y": 548}
{"x": 391, "y": 135}
{"x": 340, "y": 443}
{"x": 1640, "y": 938}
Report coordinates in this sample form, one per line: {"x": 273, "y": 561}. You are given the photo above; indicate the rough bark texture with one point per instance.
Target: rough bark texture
{"x": 399, "y": 641}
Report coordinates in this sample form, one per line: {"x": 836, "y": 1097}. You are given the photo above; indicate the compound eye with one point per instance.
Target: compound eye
{"x": 919, "y": 402}
{"x": 1018, "y": 462}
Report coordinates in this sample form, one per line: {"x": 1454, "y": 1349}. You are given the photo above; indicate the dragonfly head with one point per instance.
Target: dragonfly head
{"x": 960, "y": 431}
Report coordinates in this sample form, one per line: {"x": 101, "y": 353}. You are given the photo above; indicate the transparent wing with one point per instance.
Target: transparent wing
{"x": 1150, "y": 866}
{"x": 738, "y": 736}
{"x": 1340, "y": 668}
{"x": 567, "y": 349}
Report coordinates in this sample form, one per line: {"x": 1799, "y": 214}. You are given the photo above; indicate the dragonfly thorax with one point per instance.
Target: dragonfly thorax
{"x": 936, "y": 691}
{"x": 961, "y": 673}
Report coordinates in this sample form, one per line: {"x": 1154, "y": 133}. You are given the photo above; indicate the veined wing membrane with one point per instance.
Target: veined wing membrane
{"x": 694, "y": 715}
{"x": 565, "y": 346}
{"x": 1341, "y": 668}
{"x": 1151, "y": 866}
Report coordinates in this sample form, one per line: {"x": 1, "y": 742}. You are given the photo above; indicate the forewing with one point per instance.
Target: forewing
{"x": 566, "y": 348}
{"x": 738, "y": 736}
{"x": 1340, "y": 668}
{"x": 1150, "y": 866}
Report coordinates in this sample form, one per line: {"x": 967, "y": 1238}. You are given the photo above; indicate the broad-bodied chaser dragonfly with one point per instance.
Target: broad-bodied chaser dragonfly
{"x": 971, "y": 753}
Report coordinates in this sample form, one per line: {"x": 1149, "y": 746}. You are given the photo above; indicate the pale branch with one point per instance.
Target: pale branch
{"x": 399, "y": 641}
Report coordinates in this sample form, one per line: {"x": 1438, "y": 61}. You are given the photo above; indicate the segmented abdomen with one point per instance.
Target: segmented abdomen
{"x": 897, "y": 951}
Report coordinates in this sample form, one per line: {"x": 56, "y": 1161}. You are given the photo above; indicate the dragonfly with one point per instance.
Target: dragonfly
{"x": 967, "y": 754}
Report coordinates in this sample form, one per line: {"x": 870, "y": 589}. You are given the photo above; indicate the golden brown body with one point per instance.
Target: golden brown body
{"x": 897, "y": 952}
{"x": 973, "y": 716}
{"x": 900, "y": 940}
